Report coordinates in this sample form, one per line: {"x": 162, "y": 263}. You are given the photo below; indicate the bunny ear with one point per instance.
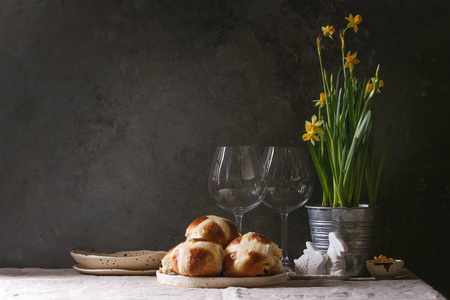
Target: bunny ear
{"x": 338, "y": 242}
{"x": 310, "y": 248}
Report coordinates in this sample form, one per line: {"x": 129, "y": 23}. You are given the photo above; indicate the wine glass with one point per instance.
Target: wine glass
{"x": 289, "y": 186}
{"x": 236, "y": 180}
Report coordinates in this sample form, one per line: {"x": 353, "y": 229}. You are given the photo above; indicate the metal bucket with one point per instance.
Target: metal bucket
{"x": 355, "y": 224}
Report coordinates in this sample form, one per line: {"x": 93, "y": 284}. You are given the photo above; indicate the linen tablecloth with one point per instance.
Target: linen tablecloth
{"x": 36, "y": 284}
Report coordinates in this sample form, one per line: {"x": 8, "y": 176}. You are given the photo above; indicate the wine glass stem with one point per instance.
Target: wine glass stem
{"x": 238, "y": 217}
{"x": 284, "y": 258}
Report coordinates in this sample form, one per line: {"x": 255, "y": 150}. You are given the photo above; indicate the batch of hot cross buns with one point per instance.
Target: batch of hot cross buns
{"x": 214, "y": 247}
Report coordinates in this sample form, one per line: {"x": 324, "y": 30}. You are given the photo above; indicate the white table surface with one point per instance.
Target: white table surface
{"x": 32, "y": 283}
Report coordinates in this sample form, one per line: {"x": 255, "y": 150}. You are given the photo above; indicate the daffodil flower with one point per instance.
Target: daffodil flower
{"x": 310, "y": 137}
{"x": 313, "y": 127}
{"x": 328, "y": 31}
{"x": 351, "y": 60}
{"x": 369, "y": 86}
{"x": 380, "y": 84}
{"x": 353, "y": 21}
{"x": 322, "y": 100}
{"x": 312, "y": 130}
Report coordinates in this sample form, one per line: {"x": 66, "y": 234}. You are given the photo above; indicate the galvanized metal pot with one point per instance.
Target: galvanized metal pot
{"x": 355, "y": 224}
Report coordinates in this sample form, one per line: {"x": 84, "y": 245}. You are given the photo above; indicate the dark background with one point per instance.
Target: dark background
{"x": 110, "y": 113}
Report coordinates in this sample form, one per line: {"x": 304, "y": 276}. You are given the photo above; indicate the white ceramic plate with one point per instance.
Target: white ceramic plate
{"x": 129, "y": 260}
{"x": 220, "y": 282}
{"x": 84, "y": 270}
{"x": 318, "y": 277}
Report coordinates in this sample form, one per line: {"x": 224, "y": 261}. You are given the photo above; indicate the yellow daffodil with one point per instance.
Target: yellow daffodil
{"x": 313, "y": 127}
{"x": 369, "y": 86}
{"x": 310, "y": 137}
{"x": 351, "y": 60}
{"x": 322, "y": 100}
{"x": 328, "y": 31}
{"x": 353, "y": 21}
{"x": 312, "y": 130}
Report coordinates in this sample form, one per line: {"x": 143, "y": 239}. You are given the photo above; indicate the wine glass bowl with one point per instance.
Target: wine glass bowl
{"x": 289, "y": 186}
{"x": 236, "y": 180}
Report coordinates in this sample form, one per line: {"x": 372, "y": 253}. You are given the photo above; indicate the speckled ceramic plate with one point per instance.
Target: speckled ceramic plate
{"x": 84, "y": 270}
{"x": 129, "y": 260}
{"x": 318, "y": 277}
{"x": 220, "y": 282}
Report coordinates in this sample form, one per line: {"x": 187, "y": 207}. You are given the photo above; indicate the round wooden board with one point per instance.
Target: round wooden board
{"x": 220, "y": 282}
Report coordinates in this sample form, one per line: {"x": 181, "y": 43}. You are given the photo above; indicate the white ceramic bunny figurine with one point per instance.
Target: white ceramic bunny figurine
{"x": 336, "y": 255}
{"x": 312, "y": 262}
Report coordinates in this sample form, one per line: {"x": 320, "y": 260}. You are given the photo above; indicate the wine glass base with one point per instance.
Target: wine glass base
{"x": 288, "y": 266}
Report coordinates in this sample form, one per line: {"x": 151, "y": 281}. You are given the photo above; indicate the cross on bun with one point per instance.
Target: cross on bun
{"x": 252, "y": 254}
{"x": 212, "y": 228}
{"x": 194, "y": 257}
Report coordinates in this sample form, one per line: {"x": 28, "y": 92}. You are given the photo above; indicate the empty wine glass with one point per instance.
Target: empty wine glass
{"x": 289, "y": 186}
{"x": 236, "y": 180}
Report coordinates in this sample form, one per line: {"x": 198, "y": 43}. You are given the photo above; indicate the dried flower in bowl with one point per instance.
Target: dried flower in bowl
{"x": 383, "y": 259}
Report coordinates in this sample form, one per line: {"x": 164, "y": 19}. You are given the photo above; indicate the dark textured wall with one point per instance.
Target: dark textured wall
{"x": 110, "y": 113}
